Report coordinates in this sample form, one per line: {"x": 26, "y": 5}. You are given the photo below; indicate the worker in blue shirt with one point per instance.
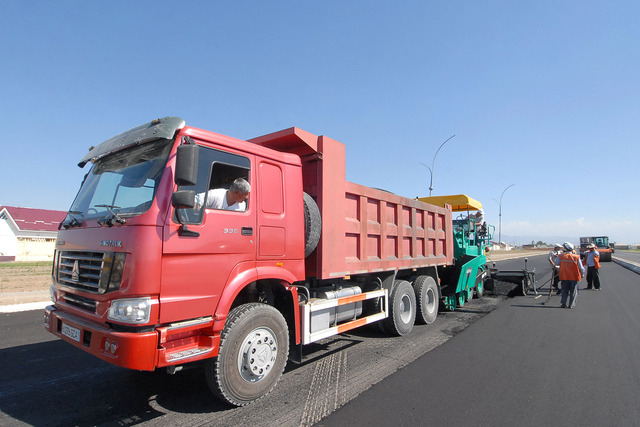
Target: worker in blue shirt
{"x": 592, "y": 261}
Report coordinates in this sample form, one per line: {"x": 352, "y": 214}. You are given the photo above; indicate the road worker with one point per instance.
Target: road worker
{"x": 592, "y": 261}
{"x": 555, "y": 279}
{"x": 571, "y": 271}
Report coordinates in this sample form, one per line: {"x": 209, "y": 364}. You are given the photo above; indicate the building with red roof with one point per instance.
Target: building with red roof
{"x": 28, "y": 234}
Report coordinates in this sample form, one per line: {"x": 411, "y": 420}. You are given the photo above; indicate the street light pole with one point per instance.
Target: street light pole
{"x": 431, "y": 178}
{"x": 500, "y": 215}
{"x": 431, "y": 169}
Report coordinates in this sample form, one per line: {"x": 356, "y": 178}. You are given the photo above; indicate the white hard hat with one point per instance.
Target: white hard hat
{"x": 558, "y": 246}
{"x": 568, "y": 247}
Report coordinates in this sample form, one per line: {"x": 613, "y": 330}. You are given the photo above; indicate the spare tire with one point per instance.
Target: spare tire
{"x": 312, "y": 224}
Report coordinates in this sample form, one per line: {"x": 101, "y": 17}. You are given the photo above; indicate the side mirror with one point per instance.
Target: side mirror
{"x": 184, "y": 199}
{"x": 186, "y": 172}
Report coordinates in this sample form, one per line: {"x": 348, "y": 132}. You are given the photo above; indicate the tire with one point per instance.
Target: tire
{"x": 402, "y": 309}
{"x": 312, "y": 224}
{"x": 427, "y": 301}
{"x": 251, "y": 329}
{"x": 479, "y": 289}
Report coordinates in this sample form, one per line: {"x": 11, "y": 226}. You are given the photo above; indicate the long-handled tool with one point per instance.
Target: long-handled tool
{"x": 553, "y": 276}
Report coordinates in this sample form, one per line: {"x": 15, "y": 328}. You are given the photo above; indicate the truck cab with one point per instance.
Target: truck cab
{"x": 132, "y": 274}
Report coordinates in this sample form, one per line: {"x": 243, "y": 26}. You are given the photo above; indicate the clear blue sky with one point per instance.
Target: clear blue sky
{"x": 544, "y": 95}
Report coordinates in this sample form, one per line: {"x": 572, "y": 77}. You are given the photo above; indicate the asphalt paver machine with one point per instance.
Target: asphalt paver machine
{"x": 471, "y": 237}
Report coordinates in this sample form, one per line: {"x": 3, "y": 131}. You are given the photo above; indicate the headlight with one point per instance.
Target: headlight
{"x": 135, "y": 310}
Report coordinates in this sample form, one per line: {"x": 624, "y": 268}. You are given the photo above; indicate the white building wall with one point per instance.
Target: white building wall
{"x": 35, "y": 249}
{"x": 26, "y": 245}
{"x": 8, "y": 240}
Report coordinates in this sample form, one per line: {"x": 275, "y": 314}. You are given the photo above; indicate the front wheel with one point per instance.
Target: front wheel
{"x": 254, "y": 347}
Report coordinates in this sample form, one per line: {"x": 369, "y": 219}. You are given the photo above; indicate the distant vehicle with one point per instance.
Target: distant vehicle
{"x": 602, "y": 244}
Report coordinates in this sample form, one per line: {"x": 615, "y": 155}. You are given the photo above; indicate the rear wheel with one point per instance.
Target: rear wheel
{"x": 427, "y": 301}
{"x": 402, "y": 309}
{"x": 254, "y": 348}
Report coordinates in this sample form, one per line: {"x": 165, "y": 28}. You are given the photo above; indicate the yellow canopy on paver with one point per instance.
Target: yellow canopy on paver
{"x": 458, "y": 202}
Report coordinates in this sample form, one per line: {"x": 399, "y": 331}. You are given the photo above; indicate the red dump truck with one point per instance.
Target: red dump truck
{"x": 147, "y": 276}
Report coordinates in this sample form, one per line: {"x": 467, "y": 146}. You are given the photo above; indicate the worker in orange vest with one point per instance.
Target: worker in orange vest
{"x": 592, "y": 261}
{"x": 571, "y": 271}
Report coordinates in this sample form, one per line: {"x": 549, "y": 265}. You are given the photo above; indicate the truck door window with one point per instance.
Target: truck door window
{"x": 216, "y": 171}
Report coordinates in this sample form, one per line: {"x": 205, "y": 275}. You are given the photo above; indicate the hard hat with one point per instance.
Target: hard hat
{"x": 568, "y": 247}
{"x": 557, "y": 246}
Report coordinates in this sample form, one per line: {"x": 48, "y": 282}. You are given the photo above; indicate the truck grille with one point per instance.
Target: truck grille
{"x": 95, "y": 272}
{"x": 78, "y": 301}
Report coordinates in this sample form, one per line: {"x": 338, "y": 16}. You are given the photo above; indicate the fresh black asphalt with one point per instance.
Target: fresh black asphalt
{"x": 524, "y": 364}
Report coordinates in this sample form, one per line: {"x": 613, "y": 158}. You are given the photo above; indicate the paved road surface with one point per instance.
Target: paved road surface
{"x": 524, "y": 364}
{"x": 633, "y": 256}
{"x": 45, "y": 381}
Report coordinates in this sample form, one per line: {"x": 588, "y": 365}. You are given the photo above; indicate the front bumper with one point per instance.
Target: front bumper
{"x": 137, "y": 351}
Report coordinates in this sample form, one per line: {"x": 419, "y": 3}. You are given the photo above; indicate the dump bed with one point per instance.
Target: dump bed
{"x": 364, "y": 230}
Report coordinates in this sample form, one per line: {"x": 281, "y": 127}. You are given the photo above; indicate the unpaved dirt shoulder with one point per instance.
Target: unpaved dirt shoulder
{"x": 23, "y": 284}
{"x": 503, "y": 255}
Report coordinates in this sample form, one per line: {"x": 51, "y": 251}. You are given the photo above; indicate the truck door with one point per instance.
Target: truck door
{"x": 197, "y": 264}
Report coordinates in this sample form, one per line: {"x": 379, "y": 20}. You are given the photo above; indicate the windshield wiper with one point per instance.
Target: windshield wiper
{"x": 74, "y": 221}
{"x": 113, "y": 219}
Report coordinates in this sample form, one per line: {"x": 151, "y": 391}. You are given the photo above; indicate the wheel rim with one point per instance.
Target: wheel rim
{"x": 257, "y": 354}
{"x": 405, "y": 309}
{"x": 431, "y": 301}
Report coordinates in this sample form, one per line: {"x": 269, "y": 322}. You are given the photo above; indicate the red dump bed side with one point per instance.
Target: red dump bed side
{"x": 364, "y": 230}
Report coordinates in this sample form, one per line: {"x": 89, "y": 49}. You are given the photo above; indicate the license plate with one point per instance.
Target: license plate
{"x": 71, "y": 332}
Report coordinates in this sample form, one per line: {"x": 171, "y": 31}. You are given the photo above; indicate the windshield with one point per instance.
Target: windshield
{"x": 601, "y": 242}
{"x": 122, "y": 184}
